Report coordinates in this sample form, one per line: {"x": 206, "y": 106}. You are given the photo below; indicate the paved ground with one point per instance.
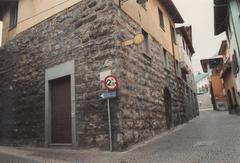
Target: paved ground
{"x": 214, "y": 137}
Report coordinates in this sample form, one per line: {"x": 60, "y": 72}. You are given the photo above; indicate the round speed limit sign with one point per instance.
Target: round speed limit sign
{"x": 111, "y": 83}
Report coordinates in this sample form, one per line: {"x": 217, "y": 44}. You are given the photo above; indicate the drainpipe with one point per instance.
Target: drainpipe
{"x": 173, "y": 50}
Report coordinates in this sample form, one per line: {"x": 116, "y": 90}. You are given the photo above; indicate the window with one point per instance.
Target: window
{"x": 161, "y": 19}
{"x": 165, "y": 58}
{"x": 13, "y": 16}
{"x": 229, "y": 31}
{"x": 173, "y": 35}
{"x": 184, "y": 46}
{"x": 235, "y": 63}
{"x": 178, "y": 69}
{"x": 146, "y": 42}
{"x": 184, "y": 76}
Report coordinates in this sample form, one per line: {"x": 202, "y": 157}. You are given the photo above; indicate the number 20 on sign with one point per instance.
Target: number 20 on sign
{"x": 111, "y": 83}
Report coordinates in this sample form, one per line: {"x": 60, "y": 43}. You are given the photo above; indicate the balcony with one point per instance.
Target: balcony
{"x": 185, "y": 62}
{"x": 185, "y": 67}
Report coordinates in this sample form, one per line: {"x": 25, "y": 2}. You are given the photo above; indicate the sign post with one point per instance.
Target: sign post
{"x": 109, "y": 125}
{"x": 111, "y": 84}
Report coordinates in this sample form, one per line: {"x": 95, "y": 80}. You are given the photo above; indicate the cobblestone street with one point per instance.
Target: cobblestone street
{"x": 214, "y": 137}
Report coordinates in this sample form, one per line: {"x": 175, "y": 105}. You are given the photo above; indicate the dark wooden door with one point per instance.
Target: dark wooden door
{"x": 168, "y": 108}
{"x": 61, "y": 111}
{"x": 230, "y": 101}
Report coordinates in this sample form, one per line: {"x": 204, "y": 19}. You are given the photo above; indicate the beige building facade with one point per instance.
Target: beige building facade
{"x": 32, "y": 12}
{"x": 148, "y": 16}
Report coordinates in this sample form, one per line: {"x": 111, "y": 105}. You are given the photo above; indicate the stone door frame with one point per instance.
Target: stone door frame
{"x": 61, "y": 70}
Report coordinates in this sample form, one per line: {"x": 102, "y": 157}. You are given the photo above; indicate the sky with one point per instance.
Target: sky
{"x": 199, "y": 14}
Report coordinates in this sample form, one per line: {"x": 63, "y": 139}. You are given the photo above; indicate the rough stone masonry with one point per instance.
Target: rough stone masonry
{"x": 90, "y": 33}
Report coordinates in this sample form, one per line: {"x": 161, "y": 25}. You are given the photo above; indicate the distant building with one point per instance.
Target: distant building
{"x": 226, "y": 18}
{"x": 213, "y": 67}
{"x": 202, "y": 82}
{"x": 184, "y": 67}
{"x": 186, "y": 51}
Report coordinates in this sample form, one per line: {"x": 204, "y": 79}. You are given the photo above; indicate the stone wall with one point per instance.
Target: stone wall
{"x": 89, "y": 33}
{"x": 84, "y": 33}
{"x": 143, "y": 80}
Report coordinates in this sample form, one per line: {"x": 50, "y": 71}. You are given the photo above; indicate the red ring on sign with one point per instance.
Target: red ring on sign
{"x": 106, "y": 84}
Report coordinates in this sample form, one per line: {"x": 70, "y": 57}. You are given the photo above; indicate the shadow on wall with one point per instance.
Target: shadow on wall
{"x": 0, "y": 33}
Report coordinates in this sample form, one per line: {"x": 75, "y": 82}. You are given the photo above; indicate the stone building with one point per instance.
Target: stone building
{"x": 184, "y": 65}
{"x": 186, "y": 51}
{"x": 53, "y": 55}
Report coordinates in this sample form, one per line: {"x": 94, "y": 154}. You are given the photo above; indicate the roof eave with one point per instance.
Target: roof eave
{"x": 220, "y": 17}
{"x": 204, "y": 65}
{"x": 173, "y": 11}
{"x": 187, "y": 39}
{"x": 204, "y": 62}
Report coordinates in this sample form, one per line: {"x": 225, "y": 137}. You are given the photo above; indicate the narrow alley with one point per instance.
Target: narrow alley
{"x": 211, "y": 138}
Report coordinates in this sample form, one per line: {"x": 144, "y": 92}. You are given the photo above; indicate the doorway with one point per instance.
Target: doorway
{"x": 168, "y": 108}
{"x": 60, "y": 119}
{"x": 61, "y": 127}
{"x": 230, "y": 101}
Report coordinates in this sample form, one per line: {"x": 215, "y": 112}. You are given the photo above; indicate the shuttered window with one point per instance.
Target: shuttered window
{"x": 235, "y": 65}
{"x": 146, "y": 42}
{"x": 165, "y": 55}
{"x": 173, "y": 35}
{"x": 161, "y": 19}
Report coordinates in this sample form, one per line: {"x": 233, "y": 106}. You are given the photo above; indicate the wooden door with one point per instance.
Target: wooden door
{"x": 230, "y": 101}
{"x": 61, "y": 129}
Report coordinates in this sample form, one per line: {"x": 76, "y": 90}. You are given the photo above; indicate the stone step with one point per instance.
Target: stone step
{"x": 204, "y": 101}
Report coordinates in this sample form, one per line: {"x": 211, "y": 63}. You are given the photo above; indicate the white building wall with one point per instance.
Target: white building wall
{"x": 201, "y": 83}
{"x": 183, "y": 56}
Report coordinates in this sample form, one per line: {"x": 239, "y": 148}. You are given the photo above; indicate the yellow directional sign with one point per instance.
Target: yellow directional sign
{"x": 138, "y": 39}
{"x": 127, "y": 43}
